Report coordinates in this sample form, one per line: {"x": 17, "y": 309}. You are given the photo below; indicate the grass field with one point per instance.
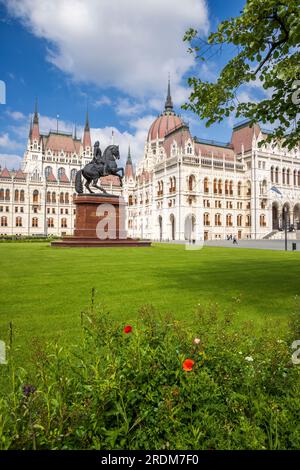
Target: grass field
{"x": 43, "y": 290}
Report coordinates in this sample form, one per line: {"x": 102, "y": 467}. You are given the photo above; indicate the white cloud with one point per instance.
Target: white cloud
{"x": 245, "y": 97}
{"x": 130, "y": 45}
{"x": 10, "y": 161}
{"x": 102, "y": 101}
{"x": 127, "y": 107}
{"x": 9, "y": 144}
{"x": 15, "y": 115}
{"x": 136, "y": 138}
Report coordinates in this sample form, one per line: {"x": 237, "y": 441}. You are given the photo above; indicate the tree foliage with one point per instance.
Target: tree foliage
{"x": 266, "y": 39}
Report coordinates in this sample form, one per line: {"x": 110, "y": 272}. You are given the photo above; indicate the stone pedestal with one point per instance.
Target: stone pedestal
{"x": 100, "y": 222}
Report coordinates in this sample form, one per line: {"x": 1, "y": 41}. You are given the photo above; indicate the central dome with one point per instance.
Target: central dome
{"x": 163, "y": 124}
{"x": 166, "y": 122}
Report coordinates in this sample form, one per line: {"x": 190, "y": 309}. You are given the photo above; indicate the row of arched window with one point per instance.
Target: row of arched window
{"x": 229, "y": 220}
{"x": 64, "y": 198}
{"x": 60, "y": 172}
{"x": 227, "y": 186}
{"x": 19, "y": 195}
{"x": 285, "y": 176}
{"x": 34, "y": 222}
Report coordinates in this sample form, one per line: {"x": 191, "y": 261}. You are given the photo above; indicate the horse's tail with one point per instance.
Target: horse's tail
{"x": 78, "y": 182}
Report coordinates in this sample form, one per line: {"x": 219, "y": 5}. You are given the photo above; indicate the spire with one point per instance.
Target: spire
{"x": 129, "y": 166}
{"x": 35, "y": 131}
{"x": 129, "y": 161}
{"x": 87, "y": 122}
{"x": 36, "y": 116}
{"x": 75, "y": 131}
{"x": 86, "y": 135}
{"x": 169, "y": 103}
{"x": 30, "y": 129}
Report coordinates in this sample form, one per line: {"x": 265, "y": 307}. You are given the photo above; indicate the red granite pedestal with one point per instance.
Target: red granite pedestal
{"x": 100, "y": 222}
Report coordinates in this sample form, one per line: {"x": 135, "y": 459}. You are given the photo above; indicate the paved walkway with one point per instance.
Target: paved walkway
{"x": 257, "y": 244}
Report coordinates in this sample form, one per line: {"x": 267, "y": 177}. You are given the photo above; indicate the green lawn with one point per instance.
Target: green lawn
{"x": 44, "y": 289}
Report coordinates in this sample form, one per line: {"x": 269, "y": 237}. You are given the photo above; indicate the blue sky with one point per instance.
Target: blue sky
{"x": 112, "y": 56}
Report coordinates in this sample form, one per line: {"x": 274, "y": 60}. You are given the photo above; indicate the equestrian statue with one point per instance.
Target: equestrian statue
{"x": 102, "y": 165}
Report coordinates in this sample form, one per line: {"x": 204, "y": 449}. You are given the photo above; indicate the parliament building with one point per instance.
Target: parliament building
{"x": 183, "y": 187}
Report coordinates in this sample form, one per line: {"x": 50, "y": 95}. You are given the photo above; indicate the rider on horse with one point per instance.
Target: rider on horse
{"x": 97, "y": 157}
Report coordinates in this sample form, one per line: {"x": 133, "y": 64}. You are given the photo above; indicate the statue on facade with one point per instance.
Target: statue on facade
{"x": 102, "y": 165}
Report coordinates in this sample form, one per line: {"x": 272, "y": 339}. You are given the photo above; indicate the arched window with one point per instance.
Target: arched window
{"x": 231, "y": 187}
{"x": 7, "y": 195}
{"x": 4, "y": 221}
{"x": 283, "y": 175}
{"x": 263, "y": 188}
{"x": 73, "y": 174}
{"x": 63, "y": 223}
{"x": 220, "y": 186}
{"x": 206, "y": 220}
{"x": 22, "y": 195}
{"x": 218, "y": 221}
{"x": 174, "y": 184}
{"x": 295, "y": 177}
{"x": 35, "y": 196}
{"x": 272, "y": 174}
{"x": 192, "y": 183}
{"x": 35, "y": 222}
{"x": 229, "y": 220}
{"x": 189, "y": 149}
{"x": 18, "y": 221}
{"x": 1, "y": 194}
{"x": 277, "y": 175}
{"x": 206, "y": 185}
{"x": 50, "y": 222}
{"x": 248, "y": 188}
{"x": 61, "y": 198}
{"x": 239, "y": 220}
{"x": 262, "y": 220}
{"x": 67, "y": 200}
{"x": 288, "y": 176}
{"x": 248, "y": 220}
{"x": 226, "y": 187}
{"x": 299, "y": 178}
{"x": 48, "y": 171}
{"x": 215, "y": 186}
{"x": 48, "y": 197}
{"x": 16, "y": 195}
{"x": 53, "y": 198}
{"x": 60, "y": 172}
{"x": 130, "y": 200}
{"x": 239, "y": 188}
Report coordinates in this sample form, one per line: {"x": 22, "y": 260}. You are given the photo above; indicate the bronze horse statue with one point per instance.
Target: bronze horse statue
{"x": 101, "y": 165}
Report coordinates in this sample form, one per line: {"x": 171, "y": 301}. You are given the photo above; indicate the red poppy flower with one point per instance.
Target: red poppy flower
{"x": 127, "y": 329}
{"x": 188, "y": 364}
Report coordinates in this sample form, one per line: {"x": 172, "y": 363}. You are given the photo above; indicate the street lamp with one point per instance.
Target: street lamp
{"x": 285, "y": 211}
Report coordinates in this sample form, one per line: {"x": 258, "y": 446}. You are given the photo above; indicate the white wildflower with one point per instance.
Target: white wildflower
{"x": 249, "y": 359}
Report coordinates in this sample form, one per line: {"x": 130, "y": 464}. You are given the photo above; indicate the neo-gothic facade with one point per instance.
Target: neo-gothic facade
{"x": 183, "y": 187}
